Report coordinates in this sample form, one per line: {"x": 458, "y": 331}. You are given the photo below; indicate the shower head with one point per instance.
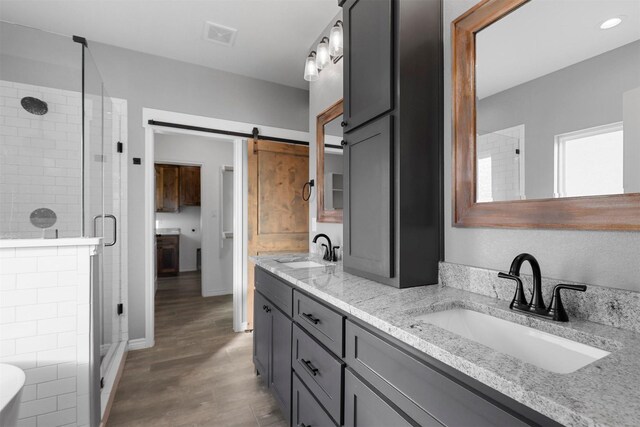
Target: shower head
{"x": 34, "y": 105}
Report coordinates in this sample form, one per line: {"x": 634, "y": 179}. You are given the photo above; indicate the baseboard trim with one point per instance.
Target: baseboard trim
{"x": 243, "y": 327}
{"x": 218, "y": 292}
{"x": 138, "y": 344}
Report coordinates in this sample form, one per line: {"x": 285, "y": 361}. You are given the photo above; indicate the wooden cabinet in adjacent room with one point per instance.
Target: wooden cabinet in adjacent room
{"x": 176, "y": 186}
{"x": 167, "y": 188}
{"x": 168, "y": 255}
{"x": 189, "y": 185}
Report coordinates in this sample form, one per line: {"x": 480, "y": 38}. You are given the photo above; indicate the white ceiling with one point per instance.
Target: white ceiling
{"x": 547, "y": 35}
{"x": 272, "y": 42}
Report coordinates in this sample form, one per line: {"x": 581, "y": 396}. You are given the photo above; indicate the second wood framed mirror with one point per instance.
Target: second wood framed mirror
{"x": 329, "y": 163}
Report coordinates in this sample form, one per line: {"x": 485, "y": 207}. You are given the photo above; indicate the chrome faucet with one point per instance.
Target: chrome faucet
{"x": 536, "y": 305}
{"x": 328, "y": 252}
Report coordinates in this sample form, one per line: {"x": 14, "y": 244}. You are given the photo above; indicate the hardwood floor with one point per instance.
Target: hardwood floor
{"x": 199, "y": 373}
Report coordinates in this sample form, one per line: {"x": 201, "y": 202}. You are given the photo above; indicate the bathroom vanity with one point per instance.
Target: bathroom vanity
{"x": 336, "y": 349}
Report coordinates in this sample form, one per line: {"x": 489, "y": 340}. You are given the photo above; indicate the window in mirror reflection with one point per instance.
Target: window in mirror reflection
{"x": 590, "y": 162}
{"x": 333, "y": 164}
{"x": 549, "y": 68}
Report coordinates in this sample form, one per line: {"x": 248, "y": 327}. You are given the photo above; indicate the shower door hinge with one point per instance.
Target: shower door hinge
{"x": 119, "y": 147}
{"x": 120, "y": 309}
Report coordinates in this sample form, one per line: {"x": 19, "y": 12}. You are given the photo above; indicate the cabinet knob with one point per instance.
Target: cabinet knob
{"x": 343, "y": 124}
{"x": 343, "y": 142}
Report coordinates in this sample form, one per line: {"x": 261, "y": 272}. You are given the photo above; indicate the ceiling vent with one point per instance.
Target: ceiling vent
{"x": 219, "y": 33}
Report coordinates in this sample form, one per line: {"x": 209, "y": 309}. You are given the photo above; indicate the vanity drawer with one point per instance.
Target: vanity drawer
{"x": 422, "y": 392}
{"x": 320, "y": 370}
{"x": 326, "y": 325}
{"x": 306, "y": 409}
{"x": 275, "y": 290}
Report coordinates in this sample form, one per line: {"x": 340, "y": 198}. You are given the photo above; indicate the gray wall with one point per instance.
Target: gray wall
{"x": 583, "y": 95}
{"x": 322, "y": 93}
{"x": 154, "y": 82}
{"x": 603, "y": 258}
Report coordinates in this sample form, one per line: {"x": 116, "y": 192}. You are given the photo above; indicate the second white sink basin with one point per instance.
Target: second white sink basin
{"x": 547, "y": 351}
{"x": 303, "y": 264}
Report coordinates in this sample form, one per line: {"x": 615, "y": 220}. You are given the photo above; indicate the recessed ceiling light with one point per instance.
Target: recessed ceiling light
{"x": 610, "y": 23}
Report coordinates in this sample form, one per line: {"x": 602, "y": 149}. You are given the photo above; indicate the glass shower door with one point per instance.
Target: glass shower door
{"x": 103, "y": 207}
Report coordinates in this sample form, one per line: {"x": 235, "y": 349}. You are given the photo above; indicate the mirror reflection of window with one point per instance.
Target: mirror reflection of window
{"x": 590, "y": 162}
{"x": 333, "y": 164}
{"x": 551, "y": 67}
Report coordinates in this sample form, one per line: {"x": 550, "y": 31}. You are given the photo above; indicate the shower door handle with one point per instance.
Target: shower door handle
{"x": 115, "y": 227}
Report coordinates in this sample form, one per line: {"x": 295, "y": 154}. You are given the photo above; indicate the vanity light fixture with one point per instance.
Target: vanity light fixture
{"x": 336, "y": 45}
{"x": 329, "y": 50}
{"x": 311, "y": 68}
{"x": 323, "y": 58}
{"x": 611, "y": 22}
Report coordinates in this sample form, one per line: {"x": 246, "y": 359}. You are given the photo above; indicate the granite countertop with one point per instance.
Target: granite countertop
{"x": 167, "y": 231}
{"x": 605, "y": 392}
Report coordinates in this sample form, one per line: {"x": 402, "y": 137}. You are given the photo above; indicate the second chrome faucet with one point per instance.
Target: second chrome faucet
{"x": 536, "y": 305}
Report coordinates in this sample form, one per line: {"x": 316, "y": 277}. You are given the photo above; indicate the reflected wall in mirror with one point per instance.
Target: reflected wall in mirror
{"x": 549, "y": 73}
{"x": 547, "y": 114}
{"x": 329, "y": 163}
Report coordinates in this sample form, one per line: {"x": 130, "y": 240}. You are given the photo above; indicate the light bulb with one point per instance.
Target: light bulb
{"x": 323, "y": 58}
{"x": 335, "y": 40}
{"x": 311, "y": 68}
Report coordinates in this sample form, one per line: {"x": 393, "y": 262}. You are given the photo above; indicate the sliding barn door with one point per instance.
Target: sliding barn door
{"x": 278, "y": 217}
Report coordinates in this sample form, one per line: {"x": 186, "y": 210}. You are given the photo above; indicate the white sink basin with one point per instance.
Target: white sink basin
{"x": 303, "y": 264}
{"x": 547, "y": 351}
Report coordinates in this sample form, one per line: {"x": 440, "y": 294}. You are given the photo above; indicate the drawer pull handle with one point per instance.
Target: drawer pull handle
{"x": 311, "y": 318}
{"x": 266, "y": 308}
{"x": 309, "y": 367}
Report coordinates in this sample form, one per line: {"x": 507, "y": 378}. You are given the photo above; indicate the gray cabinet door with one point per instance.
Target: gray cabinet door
{"x": 368, "y": 60}
{"x": 364, "y": 408}
{"x": 261, "y": 336}
{"x": 280, "y": 383}
{"x": 368, "y": 202}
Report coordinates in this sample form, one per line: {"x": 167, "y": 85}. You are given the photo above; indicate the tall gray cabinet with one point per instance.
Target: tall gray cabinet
{"x": 393, "y": 102}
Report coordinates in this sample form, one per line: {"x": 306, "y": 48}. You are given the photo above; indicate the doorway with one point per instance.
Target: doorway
{"x": 194, "y": 202}
{"x": 185, "y": 124}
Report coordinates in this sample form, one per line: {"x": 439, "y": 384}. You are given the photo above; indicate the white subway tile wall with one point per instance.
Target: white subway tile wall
{"x": 503, "y": 180}
{"x": 44, "y": 329}
{"x": 40, "y": 162}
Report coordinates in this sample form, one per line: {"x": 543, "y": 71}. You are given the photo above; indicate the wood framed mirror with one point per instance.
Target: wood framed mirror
{"x": 550, "y": 74}
{"x": 329, "y": 163}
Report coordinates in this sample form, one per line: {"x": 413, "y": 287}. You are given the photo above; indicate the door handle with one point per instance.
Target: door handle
{"x": 115, "y": 227}
{"x": 310, "y": 318}
{"x": 309, "y": 367}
